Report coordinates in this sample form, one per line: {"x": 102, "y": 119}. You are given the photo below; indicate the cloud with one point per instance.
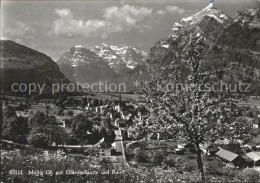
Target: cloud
{"x": 175, "y": 9}
{"x": 69, "y": 27}
{"x": 20, "y": 29}
{"x": 63, "y": 13}
{"x": 130, "y": 15}
{"x": 161, "y": 12}
{"x": 114, "y": 19}
{"x": 125, "y": 18}
{"x": 171, "y": 10}
{"x": 4, "y": 38}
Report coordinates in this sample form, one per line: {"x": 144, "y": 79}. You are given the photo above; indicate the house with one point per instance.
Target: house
{"x": 246, "y": 149}
{"x": 116, "y": 122}
{"x": 170, "y": 150}
{"x": 180, "y": 151}
{"x": 230, "y": 157}
{"x": 190, "y": 148}
{"x": 203, "y": 147}
{"x": 212, "y": 150}
{"x": 118, "y": 108}
{"x": 97, "y": 110}
{"x": 251, "y": 145}
{"x": 156, "y": 135}
{"x": 255, "y": 156}
{"x": 248, "y": 162}
{"x": 232, "y": 146}
{"x": 246, "y": 121}
{"x": 222, "y": 142}
{"x": 256, "y": 123}
{"x": 121, "y": 123}
{"x": 186, "y": 147}
{"x": 130, "y": 132}
{"x": 250, "y": 121}
{"x": 61, "y": 120}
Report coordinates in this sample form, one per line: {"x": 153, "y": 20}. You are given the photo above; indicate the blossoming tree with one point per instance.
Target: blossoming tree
{"x": 183, "y": 100}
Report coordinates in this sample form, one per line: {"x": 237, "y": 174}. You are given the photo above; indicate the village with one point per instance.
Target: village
{"x": 121, "y": 130}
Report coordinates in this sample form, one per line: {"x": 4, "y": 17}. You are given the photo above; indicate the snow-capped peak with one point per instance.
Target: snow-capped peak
{"x": 211, "y": 5}
{"x": 104, "y": 44}
{"x": 121, "y": 56}
{"x": 208, "y": 8}
{"x": 209, "y": 11}
{"x": 79, "y": 46}
{"x": 201, "y": 19}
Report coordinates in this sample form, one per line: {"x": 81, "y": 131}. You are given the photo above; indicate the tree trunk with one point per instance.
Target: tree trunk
{"x": 1, "y": 123}
{"x": 200, "y": 163}
{"x": 1, "y": 119}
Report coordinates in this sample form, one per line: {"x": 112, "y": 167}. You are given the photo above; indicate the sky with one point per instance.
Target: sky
{"x": 53, "y": 27}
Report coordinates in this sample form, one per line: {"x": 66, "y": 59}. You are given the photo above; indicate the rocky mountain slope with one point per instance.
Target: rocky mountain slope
{"x": 117, "y": 64}
{"x": 230, "y": 42}
{"x": 20, "y": 64}
{"x": 82, "y": 65}
{"x": 121, "y": 58}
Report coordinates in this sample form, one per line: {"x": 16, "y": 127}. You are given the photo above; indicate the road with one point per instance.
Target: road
{"x": 119, "y": 142}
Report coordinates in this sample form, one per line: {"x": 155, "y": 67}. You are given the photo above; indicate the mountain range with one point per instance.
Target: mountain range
{"x": 121, "y": 58}
{"x": 233, "y": 43}
{"x": 83, "y": 65}
{"x": 102, "y": 64}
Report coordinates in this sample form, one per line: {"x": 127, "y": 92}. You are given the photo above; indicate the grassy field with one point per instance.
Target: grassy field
{"x": 111, "y": 96}
{"x": 52, "y": 111}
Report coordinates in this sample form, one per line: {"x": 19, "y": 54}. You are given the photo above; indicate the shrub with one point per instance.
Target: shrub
{"x": 60, "y": 112}
{"x": 157, "y": 158}
{"x": 171, "y": 163}
{"x": 140, "y": 155}
{"x": 71, "y": 141}
{"x": 248, "y": 175}
{"x": 229, "y": 169}
{"x": 69, "y": 113}
{"x": 187, "y": 168}
{"x": 38, "y": 140}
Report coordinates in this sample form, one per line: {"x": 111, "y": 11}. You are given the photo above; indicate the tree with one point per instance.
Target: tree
{"x": 183, "y": 97}
{"x": 140, "y": 155}
{"x": 37, "y": 122}
{"x": 71, "y": 141}
{"x": 47, "y": 128}
{"x": 69, "y": 113}
{"x": 59, "y": 135}
{"x": 81, "y": 125}
{"x": 14, "y": 128}
{"x": 61, "y": 112}
{"x": 106, "y": 131}
{"x": 22, "y": 129}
